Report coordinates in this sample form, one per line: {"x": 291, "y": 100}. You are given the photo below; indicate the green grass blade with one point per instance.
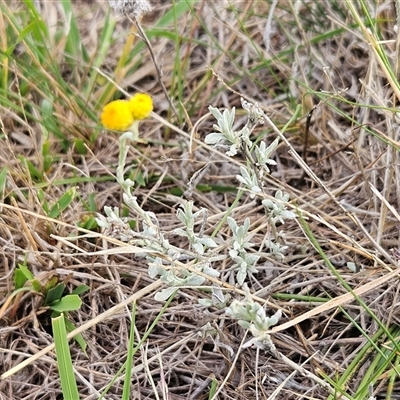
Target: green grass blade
{"x": 213, "y": 388}
{"x": 137, "y": 347}
{"x": 3, "y": 177}
{"x": 78, "y": 338}
{"x": 334, "y": 271}
{"x": 129, "y": 358}
{"x": 101, "y": 53}
{"x": 64, "y": 201}
{"x": 64, "y": 362}
{"x": 74, "y": 46}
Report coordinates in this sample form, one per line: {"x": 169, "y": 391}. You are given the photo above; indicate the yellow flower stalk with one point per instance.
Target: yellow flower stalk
{"x": 124, "y": 115}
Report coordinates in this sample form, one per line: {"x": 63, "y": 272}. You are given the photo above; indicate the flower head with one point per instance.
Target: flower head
{"x": 117, "y": 115}
{"x": 141, "y": 105}
{"x": 138, "y": 7}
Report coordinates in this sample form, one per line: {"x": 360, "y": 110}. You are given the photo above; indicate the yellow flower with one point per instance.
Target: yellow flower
{"x": 117, "y": 115}
{"x": 141, "y": 105}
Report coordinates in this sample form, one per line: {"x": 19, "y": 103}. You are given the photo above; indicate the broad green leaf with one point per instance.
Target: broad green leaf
{"x": 54, "y": 294}
{"x": 70, "y": 302}
{"x": 19, "y": 279}
{"x": 80, "y": 289}
{"x": 21, "y": 276}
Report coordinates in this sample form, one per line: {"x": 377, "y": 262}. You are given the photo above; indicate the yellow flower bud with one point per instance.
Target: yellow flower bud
{"x": 117, "y": 115}
{"x": 141, "y": 105}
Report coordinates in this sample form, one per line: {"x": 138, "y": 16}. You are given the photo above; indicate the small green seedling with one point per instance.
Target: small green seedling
{"x": 52, "y": 292}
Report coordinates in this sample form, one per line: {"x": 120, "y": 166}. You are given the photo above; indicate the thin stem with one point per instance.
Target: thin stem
{"x": 145, "y": 39}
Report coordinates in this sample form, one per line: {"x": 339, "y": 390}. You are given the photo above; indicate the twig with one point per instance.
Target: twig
{"x": 145, "y": 39}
